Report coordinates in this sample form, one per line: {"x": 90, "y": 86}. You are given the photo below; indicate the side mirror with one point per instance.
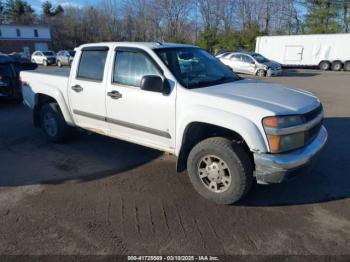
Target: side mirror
{"x": 152, "y": 83}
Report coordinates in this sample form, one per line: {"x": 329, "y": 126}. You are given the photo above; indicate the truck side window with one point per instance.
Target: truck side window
{"x": 92, "y": 64}
{"x": 130, "y": 67}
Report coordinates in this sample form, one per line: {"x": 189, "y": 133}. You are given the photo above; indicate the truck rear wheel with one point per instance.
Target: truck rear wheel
{"x": 220, "y": 170}
{"x": 324, "y": 65}
{"x": 347, "y": 66}
{"x": 337, "y": 66}
{"x": 53, "y": 123}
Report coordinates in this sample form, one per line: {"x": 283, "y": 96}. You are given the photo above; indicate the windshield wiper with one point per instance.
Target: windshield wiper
{"x": 205, "y": 83}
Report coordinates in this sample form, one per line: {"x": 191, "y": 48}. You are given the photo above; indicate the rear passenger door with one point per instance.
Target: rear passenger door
{"x": 235, "y": 62}
{"x": 87, "y": 89}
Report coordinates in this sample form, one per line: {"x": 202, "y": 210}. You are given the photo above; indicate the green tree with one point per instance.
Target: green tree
{"x": 46, "y": 8}
{"x": 208, "y": 39}
{"x": 59, "y": 10}
{"x": 236, "y": 40}
{"x": 322, "y": 16}
{"x": 19, "y": 11}
{"x": 1, "y": 12}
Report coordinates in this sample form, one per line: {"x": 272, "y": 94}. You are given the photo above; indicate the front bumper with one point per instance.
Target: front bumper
{"x": 271, "y": 72}
{"x": 51, "y": 61}
{"x": 277, "y": 168}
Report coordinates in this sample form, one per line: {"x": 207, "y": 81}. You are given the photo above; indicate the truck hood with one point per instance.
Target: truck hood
{"x": 273, "y": 97}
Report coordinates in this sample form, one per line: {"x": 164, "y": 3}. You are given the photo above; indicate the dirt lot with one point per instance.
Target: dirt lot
{"x": 96, "y": 195}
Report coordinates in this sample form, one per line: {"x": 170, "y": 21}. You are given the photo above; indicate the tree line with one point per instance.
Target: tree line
{"x": 211, "y": 24}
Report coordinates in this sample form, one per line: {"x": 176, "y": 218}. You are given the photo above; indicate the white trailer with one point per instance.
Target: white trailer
{"x": 327, "y": 51}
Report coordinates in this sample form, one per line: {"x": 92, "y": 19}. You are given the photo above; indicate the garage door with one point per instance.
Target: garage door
{"x": 41, "y": 47}
{"x": 293, "y": 53}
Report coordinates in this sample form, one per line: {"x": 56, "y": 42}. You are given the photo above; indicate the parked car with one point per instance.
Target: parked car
{"x": 251, "y": 63}
{"x": 44, "y": 57}
{"x": 20, "y": 57}
{"x": 65, "y": 57}
{"x": 9, "y": 78}
{"x": 327, "y": 51}
{"x": 225, "y": 130}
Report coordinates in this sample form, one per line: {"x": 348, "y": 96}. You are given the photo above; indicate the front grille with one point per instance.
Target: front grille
{"x": 311, "y": 134}
{"x": 312, "y": 114}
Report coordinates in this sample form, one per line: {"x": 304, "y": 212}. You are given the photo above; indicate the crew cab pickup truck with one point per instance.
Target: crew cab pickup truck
{"x": 225, "y": 130}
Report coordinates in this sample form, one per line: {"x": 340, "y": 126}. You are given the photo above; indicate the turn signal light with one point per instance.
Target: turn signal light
{"x": 274, "y": 143}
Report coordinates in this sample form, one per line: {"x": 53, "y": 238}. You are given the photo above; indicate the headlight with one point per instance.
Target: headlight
{"x": 278, "y": 135}
{"x": 282, "y": 121}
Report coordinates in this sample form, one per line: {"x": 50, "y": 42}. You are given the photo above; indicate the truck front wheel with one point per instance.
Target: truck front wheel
{"x": 220, "y": 170}
{"x": 53, "y": 123}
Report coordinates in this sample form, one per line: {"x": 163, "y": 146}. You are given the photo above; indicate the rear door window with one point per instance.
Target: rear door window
{"x": 92, "y": 65}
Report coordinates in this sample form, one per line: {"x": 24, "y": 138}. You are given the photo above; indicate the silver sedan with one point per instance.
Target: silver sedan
{"x": 250, "y": 63}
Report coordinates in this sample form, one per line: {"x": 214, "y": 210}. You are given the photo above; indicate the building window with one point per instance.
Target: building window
{"x": 18, "y": 32}
{"x": 36, "y": 34}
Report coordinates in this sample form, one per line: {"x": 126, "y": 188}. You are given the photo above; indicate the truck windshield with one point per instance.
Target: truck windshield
{"x": 260, "y": 58}
{"x": 193, "y": 67}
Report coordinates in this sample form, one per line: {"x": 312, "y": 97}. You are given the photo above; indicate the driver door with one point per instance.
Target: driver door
{"x": 137, "y": 115}
{"x": 248, "y": 64}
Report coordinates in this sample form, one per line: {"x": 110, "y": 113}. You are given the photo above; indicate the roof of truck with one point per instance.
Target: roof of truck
{"x": 151, "y": 45}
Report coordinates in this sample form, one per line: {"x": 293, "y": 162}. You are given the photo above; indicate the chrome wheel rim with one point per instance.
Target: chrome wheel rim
{"x": 214, "y": 173}
{"x": 261, "y": 73}
{"x": 50, "y": 125}
{"x": 324, "y": 66}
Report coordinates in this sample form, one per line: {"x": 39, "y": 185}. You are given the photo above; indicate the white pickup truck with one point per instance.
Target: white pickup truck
{"x": 226, "y": 131}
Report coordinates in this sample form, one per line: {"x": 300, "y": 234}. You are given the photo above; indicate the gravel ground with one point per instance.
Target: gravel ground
{"x": 97, "y": 195}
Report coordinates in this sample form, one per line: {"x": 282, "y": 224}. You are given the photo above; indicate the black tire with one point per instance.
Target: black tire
{"x": 237, "y": 161}
{"x": 261, "y": 73}
{"x": 53, "y": 123}
{"x": 325, "y": 65}
{"x": 347, "y": 66}
{"x": 337, "y": 66}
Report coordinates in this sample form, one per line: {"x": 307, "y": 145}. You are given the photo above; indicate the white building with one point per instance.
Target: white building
{"x": 21, "y": 38}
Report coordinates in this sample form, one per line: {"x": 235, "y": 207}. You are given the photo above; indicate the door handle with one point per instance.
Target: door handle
{"x": 115, "y": 94}
{"x": 77, "y": 88}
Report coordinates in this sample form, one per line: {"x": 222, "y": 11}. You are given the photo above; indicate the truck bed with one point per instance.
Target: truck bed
{"x": 34, "y": 82}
